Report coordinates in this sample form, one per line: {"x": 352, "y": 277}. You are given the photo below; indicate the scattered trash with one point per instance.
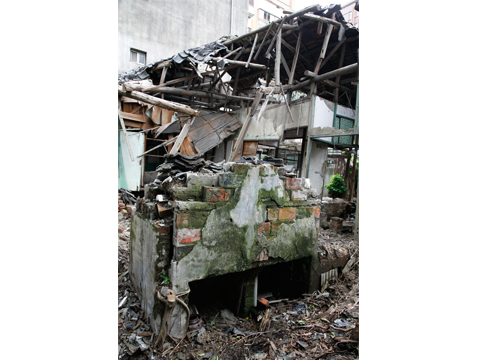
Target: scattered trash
{"x": 300, "y": 308}
{"x": 302, "y": 344}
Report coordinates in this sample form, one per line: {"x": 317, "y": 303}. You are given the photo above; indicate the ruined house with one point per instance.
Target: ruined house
{"x": 201, "y": 133}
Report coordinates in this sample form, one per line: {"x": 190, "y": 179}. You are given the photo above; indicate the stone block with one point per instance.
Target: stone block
{"x": 242, "y": 168}
{"x": 211, "y": 194}
{"x": 299, "y": 195}
{"x": 303, "y": 212}
{"x": 187, "y": 236}
{"x": 186, "y": 193}
{"x": 200, "y": 180}
{"x": 230, "y": 180}
{"x": 191, "y": 220}
{"x": 264, "y": 229}
{"x": 294, "y": 183}
{"x": 287, "y": 213}
{"x": 182, "y": 251}
{"x": 272, "y": 214}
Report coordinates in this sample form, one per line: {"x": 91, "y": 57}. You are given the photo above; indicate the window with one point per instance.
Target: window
{"x": 138, "y": 56}
{"x": 349, "y": 16}
{"x": 356, "y": 14}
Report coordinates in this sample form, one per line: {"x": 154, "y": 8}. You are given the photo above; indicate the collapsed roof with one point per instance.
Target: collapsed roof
{"x": 317, "y": 46}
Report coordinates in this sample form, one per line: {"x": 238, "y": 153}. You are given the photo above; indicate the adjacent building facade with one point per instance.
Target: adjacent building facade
{"x": 263, "y": 12}
{"x": 350, "y": 13}
{"x": 149, "y": 31}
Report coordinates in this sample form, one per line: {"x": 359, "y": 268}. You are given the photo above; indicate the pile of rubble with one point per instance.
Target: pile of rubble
{"x": 318, "y": 325}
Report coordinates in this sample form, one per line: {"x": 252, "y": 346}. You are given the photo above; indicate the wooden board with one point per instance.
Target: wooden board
{"x": 250, "y": 148}
{"x": 167, "y": 116}
{"x": 134, "y": 117}
{"x": 156, "y": 112}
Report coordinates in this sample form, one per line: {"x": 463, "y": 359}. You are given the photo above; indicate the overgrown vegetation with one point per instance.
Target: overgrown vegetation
{"x": 336, "y": 187}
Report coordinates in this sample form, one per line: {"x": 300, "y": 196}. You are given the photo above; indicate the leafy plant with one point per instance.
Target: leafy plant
{"x": 165, "y": 278}
{"x": 336, "y": 187}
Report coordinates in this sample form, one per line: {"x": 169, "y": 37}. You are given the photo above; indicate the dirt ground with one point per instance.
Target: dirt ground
{"x": 321, "y": 325}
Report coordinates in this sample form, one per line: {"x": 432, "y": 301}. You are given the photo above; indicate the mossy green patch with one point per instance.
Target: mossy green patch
{"x": 304, "y": 212}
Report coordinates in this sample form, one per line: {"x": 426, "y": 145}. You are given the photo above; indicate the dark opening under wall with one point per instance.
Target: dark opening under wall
{"x": 285, "y": 280}
{"x": 235, "y": 291}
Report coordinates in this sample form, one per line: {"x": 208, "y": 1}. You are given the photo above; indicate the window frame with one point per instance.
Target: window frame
{"x": 137, "y": 52}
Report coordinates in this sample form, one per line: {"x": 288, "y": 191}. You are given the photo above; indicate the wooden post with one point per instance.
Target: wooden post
{"x": 239, "y": 141}
{"x": 285, "y": 65}
{"x": 340, "y": 64}
{"x": 181, "y": 136}
{"x": 324, "y": 46}
{"x": 253, "y": 50}
{"x": 263, "y": 41}
{"x": 295, "y": 58}
{"x": 274, "y": 38}
{"x": 278, "y": 56}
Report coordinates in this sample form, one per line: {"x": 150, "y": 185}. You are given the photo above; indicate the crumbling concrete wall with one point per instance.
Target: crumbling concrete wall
{"x": 243, "y": 218}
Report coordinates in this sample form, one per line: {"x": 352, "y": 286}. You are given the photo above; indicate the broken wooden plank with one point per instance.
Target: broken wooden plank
{"x": 253, "y": 50}
{"x": 158, "y": 102}
{"x": 274, "y": 39}
{"x": 295, "y": 58}
{"x": 328, "y": 75}
{"x": 163, "y": 64}
{"x": 278, "y": 52}
{"x": 134, "y": 117}
{"x": 186, "y": 148}
{"x": 322, "y": 19}
{"x": 263, "y": 41}
{"x": 337, "y": 79}
{"x": 239, "y": 142}
{"x": 326, "y": 38}
{"x": 181, "y": 136}
{"x": 241, "y": 63}
{"x": 285, "y": 65}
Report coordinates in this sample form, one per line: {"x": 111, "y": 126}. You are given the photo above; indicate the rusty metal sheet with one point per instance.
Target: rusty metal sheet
{"x": 209, "y": 130}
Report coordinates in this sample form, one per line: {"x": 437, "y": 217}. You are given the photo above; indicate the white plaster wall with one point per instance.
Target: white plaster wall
{"x": 270, "y": 123}
{"x": 318, "y": 157}
{"x": 324, "y": 112}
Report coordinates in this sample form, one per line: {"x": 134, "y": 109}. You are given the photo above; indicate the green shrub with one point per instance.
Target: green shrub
{"x": 336, "y": 188}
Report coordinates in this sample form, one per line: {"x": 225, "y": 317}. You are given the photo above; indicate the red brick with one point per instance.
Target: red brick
{"x": 294, "y": 183}
{"x": 163, "y": 229}
{"x": 287, "y": 213}
{"x": 216, "y": 195}
{"x": 316, "y": 211}
{"x": 188, "y": 236}
{"x": 264, "y": 229}
{"x": 272, "y": 214}
{"x": 182, "y": 219}
{"x": 263, "y": 301}
{"x": 275, "y": 226}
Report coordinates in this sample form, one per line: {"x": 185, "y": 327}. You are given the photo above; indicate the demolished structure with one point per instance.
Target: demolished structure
{"x": 202, "y": 134}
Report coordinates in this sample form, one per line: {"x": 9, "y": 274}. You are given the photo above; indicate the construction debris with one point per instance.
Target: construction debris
{"x": 310, "y": 327}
